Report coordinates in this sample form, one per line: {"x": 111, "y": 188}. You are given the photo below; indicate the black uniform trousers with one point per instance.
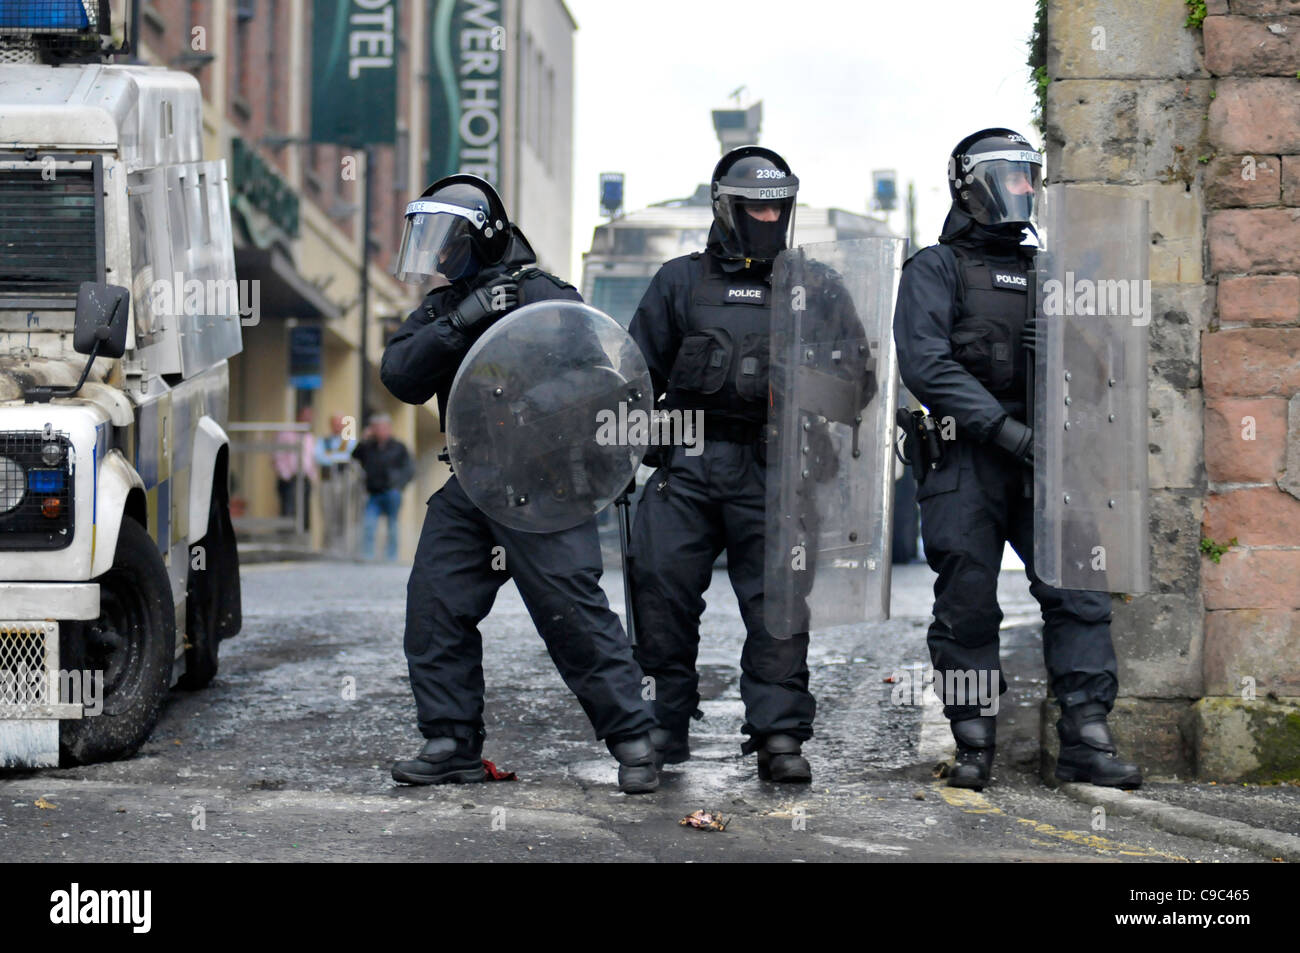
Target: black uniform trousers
{"x": 688, "y": 512}
{"x": 452, "y": 587}
{"x": 970, "y": 507}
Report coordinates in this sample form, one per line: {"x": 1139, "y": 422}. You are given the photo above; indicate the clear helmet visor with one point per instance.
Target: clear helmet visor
{"x": 1004, "y": 191}
{"x": 758, "y": 217}
{"x": 435, "y": 244}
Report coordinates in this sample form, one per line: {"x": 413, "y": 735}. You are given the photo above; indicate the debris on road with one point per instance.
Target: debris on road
{"x": 703, "y": 820}
{"x": 496, "y": 774}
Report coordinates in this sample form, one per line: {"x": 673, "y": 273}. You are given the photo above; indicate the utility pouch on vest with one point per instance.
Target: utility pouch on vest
{"x": 752, "y": 368}
{"x": 985, "y": 349}
{"x": 703, "y": 361}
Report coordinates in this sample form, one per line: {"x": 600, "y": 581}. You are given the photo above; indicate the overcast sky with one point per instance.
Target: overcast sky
{"x": 847, "y": 87}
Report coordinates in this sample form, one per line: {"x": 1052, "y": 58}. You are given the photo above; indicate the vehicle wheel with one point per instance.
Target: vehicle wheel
{"x": 203, "y": 602}
{"x": 132, "y": 643}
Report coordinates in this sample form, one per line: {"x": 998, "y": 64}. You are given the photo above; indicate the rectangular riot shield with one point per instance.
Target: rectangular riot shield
{"x": 1090, "y": 392}
{"x": 829, "y": 438}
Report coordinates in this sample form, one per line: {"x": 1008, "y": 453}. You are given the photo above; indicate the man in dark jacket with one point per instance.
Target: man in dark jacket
{"x": 388, "y": 468}
{"x": 958, "y": 327}
{"x": 458, "y": 232}
{"x": 704, "y": 327}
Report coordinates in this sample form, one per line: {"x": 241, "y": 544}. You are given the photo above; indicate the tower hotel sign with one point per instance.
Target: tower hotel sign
{"x": 466, "y": 48}
{"x": 354, "y": 72}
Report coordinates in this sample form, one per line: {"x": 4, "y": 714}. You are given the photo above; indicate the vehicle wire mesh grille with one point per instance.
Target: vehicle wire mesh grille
{"x": 48, "y": 235}
{"x": 36, "y": 497}
{"x": 24, "y": 665}
{"x": 53, "y": 16}
{"x": 18, "y": 49}
{"x": 53, "y": 31}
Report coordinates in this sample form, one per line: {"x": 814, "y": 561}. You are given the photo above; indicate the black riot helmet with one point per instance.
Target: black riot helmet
{"x": 994, "y": 176}
{"x": 455, "y": 228}
{"x": 753, "y": 203}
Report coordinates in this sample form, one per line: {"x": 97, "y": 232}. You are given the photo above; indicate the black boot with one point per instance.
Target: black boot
{"x": 671, "y": 747}
{"x": 638, "y": 772}
{"x": 976, "y": 741}
{"x": 444, "y": 761}
{"x": 780, "y": 758}
{"x": 1088, "y": 751}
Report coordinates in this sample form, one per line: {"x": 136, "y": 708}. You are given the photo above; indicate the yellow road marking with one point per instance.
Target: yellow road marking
{"x": 973, "y": 802}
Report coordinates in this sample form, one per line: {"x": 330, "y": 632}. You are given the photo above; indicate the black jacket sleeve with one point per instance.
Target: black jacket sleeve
{"x": 656, "y": 326}
{"x": 923, "y": 317}
{"x": 422, "y": 357}
{"x": 403, "y": 467}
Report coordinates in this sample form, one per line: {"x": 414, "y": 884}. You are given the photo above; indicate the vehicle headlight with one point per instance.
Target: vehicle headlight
{"x": 13, "y": 484}
{"x": 52, "y": 454}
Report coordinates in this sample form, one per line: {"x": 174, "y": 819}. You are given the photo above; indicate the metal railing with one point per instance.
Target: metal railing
{"x": 339, "y": 490}
{"x": 244, "y": 449}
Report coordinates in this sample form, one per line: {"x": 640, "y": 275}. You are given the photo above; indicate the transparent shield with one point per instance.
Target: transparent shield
{"x": 830, "y": 472}
{"x": 1090, "y": 393}
{"x": 548, "y": 417}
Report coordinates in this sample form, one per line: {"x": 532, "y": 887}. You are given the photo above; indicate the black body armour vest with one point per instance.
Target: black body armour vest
{"x": 721, "y": 366}
{"x": 992, "y": 305}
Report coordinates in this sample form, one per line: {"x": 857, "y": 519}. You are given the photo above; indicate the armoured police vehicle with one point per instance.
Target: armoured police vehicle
{"x": 119, "y": 310}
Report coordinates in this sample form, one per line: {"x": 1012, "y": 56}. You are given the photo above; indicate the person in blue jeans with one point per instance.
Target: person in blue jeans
{"x": 388, "y": 469}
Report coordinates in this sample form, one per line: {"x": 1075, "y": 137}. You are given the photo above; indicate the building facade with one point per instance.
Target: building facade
{"x": 500, "y": 106}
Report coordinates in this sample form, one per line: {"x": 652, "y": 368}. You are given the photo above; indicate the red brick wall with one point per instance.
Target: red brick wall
{"x": 1251, "y": 360}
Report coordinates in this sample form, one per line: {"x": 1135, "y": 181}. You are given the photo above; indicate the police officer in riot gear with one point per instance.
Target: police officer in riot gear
{"x": 962, "y": 337}
{"x": 703, "y": 326}
{"x": 458, "y": 236}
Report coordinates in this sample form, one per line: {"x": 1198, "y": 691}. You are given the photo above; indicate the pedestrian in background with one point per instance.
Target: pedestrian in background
{"x": 334, "y": 459}
{"x": 297, "y": 460}
{"x": 388, "y": 468}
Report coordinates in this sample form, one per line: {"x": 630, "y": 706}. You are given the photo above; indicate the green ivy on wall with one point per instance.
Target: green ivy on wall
{"x": 1037, "y": 63}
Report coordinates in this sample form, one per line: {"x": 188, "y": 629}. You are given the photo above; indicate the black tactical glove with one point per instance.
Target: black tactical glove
{"x": 657, "y": 456}
{"x": 1016, "y": 439}
{"x": 489, "y": 301}
{"x": 1029, "y": 335}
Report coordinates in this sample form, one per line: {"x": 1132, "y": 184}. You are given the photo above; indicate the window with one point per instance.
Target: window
{"x": 548, "y": 131}
{"x": 538, "y": 103}
{"x": 240, "y": 47}
{"x": 618, "y": 296}
{"x": 273, "y": 57}
{"x": 49, "y": 229}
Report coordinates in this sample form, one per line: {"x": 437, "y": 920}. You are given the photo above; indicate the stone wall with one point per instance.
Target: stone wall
{"x": 1204, "y": 124}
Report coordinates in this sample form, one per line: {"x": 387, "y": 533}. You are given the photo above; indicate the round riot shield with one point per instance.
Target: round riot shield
{"x": 547, "y": 419}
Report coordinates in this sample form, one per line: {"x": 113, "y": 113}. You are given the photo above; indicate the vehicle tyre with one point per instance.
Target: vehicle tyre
{"x": 203, "y": 601}
{"x": 132, "y": 643}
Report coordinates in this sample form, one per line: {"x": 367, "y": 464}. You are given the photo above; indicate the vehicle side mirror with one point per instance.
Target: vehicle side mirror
{"x": 101, "y": 316}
